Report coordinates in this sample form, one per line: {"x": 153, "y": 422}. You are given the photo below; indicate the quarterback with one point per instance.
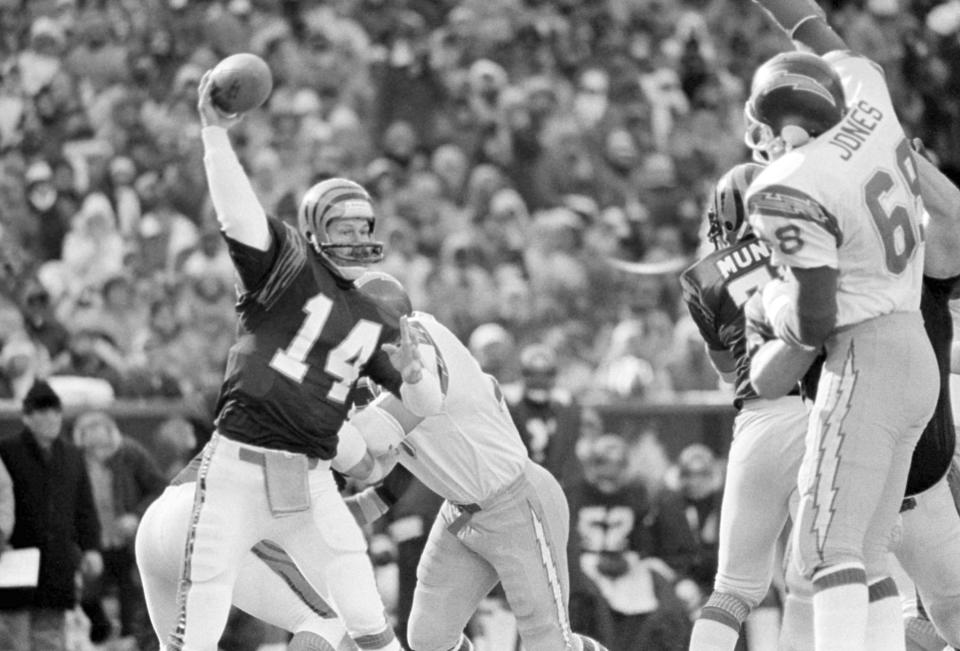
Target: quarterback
{"x": 305, "y": 334}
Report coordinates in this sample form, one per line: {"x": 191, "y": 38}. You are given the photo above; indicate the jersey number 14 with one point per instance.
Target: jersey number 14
{"x": 343, "y": 361}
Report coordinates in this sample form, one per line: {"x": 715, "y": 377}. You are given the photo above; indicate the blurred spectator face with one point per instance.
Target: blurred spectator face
{"x": 541, "y": 102}
{"x": 18, "y": 358}
{"x": 36, "y": 305}
{"x": 620, "y": 149}
{"x": 538, "y": 367}
{"x": 97, "y": 435}
{"x": 163, "y": 319}
{"x": 606, "y": 464}
{"x": 161, "y": 43}
{"x": 45, "y": 424}
{"x": 177, "y": 434}
{"x": 400, "y": 141}
{"x": 451, "y": 165}
{"x": 699, "y": 472}
{"x": 492, "y": 346}
{"x": 591, "y": 100}
{"x": 41, "y": 195}
{"x": 117, "y": 294}
{"x": 122, "y": 171}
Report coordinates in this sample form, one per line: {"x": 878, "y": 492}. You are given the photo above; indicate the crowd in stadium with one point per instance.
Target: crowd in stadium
{"x": 524, "y": 156}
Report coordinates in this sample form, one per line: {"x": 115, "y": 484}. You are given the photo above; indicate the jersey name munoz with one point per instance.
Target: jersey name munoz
{"x": 715, "y": 290}
{"x": 850, "y": 200}
{"x": 471, "y": 448}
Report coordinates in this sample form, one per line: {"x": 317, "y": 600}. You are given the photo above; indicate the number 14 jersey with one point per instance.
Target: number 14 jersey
{"x": 304, "y": 336}
{"x": 850, "y": 200}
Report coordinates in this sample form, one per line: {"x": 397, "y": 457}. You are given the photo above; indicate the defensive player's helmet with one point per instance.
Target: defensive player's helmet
{"x": 727, "y": 213}
{"x": 329, "y": 201}
{"x": 794, "y": 96}
{"x": 387, "y": 291}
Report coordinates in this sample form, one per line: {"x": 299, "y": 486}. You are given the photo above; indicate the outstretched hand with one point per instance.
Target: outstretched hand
{"x": 210, "y": 115}
{"x": 405, "y": 357}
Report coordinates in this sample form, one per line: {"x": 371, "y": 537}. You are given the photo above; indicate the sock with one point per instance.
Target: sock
{"x": 762, "y": 627}
{"x": 718, "y": 626}
{"x": 884, "y": 617}
{"x": 922, "y": 636}
{"x": 840, "y": 608}
{"x": 382, "y": 641}
{"x": 309, "y": 641}
{"x": 796, "y": 631}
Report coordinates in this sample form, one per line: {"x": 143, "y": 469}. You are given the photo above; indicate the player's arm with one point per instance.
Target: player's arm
{"x": 804, "y": 237}
{"x": 942, "y": 199}
{"x": 724, "y": 363}
{"x": 805, "y": 23}
{"x": 238, "y": 210}
{"x": 775, "y": 366}
{"x": 356, "y": 460}
{"x": 422, "y": 392}
{"x": 372, "y": 502}
{"x": 720, "y": 357}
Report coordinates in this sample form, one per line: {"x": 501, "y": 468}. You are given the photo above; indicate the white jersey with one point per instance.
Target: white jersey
{"x": 470, "y": 449}
{"x": 850, "y": 200}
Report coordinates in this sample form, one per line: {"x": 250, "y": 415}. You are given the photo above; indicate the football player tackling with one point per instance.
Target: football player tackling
{"x": 504, "y": 518}
{"x": 839, "y": 205}
{"x": 768, "y": 435}
{"x": 305, "y": 333}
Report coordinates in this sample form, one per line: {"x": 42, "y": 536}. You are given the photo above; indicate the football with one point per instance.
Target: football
{"x": 241, "y": 82}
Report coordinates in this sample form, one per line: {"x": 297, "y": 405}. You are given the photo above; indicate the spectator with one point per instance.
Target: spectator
{"x": 55, "y": 512}
{"x": 547, "y": 417}
{"x": 632, "y": 547}
{"x": 125, "y": 480}
{"x": 700, "y": 482}
{"x": 92, "y": 249}
{"x": 175, "y": 443}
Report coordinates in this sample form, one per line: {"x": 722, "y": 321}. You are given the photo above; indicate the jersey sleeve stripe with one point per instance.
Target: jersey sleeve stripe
{"x": 290, "y": 260}
{"x": 790, "y": 203}
{"x": 424, "y": 337}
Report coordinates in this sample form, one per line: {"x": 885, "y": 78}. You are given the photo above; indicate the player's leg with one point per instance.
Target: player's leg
{"x": 328, "y": 547}
{"x": 451, "y": 581}
{"x": 862, "y": 430}
{"x": 526, "y": 541}
{"x": 762, "y": 468}
{"x": 271, "y": 588}
{"x": 929, "y": 551}
{"x": 228, "y": 515}
{"x": 159, "y": 554}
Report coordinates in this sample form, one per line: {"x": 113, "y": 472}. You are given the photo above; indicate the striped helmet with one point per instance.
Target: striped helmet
{"x": 791, "y": 94}
{"x": 727, "y": 213}
{"x": 334, "y": 199}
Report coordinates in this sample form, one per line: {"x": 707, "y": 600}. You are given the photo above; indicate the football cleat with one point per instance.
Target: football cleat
{"x": 794, "y": 96}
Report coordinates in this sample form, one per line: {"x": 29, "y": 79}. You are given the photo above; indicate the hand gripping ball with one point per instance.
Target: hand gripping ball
{"x": 241, "y": 82}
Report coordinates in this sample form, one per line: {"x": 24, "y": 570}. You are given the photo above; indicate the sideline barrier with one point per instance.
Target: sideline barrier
{"x": 705, "y": 417}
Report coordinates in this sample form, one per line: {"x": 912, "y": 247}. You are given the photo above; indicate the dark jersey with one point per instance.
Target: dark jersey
{"x": 304, "y": 335}
{"x": 715, "y": 290}
{"x": 934, "y": 451}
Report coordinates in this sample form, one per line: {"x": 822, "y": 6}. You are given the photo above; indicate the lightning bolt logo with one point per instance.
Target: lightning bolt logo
{"x": 546, "y": 557}
{"x": 831, "y": 443}
{"x": 801, "y": 83}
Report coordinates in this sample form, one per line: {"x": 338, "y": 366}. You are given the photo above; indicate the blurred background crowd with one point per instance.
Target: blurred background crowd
{"x": 540, "y": 169}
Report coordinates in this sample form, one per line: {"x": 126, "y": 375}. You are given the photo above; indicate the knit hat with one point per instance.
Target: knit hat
{"x": 40, "y": 396}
